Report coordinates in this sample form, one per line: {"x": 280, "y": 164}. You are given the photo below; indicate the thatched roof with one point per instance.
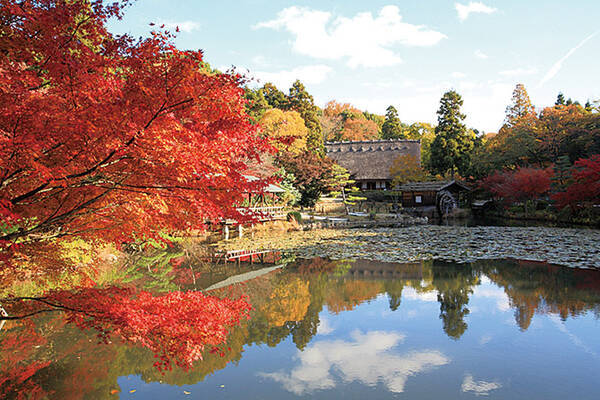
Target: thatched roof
{"x": 371, "y": 159}
{"x": 434, "y": 186}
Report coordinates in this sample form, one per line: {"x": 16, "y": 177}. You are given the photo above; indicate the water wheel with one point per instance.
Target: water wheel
{"x": 445, "y": 202}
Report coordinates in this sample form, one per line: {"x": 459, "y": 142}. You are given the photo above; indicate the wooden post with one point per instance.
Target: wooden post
{"x": 226, "y": 231}
{"x": 240, "y": 231}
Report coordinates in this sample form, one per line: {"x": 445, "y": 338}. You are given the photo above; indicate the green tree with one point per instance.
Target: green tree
{"x": 560, "y": 99}
{"x": 392, "y": 129}
{"x": 425, "y": 133}
{"x": 256, "y": 105}
{"x": 274, "y": 97}
{"x": 562, "y": 174}
{"x": 301, "y": 101}
{"x": 341, "y": 184}
{"x": 311, "y": 171}
{"x": 452, "y": 146}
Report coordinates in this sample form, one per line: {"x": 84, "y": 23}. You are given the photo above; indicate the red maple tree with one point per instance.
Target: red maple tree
{"x": 585, "y": 188}
{"x": 520, "y": 185}
{"x": 100, "y": 132}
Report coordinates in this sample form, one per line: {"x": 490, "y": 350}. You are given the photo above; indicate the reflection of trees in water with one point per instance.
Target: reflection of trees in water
{"x": 454, "y": 284}
{"x": 534, "y": 287}
{"x": 286, "y": 304}
{"x": 394, "y": 288}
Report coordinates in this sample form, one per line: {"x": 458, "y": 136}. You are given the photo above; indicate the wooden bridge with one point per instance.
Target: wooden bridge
{"x": 262, "y": 214}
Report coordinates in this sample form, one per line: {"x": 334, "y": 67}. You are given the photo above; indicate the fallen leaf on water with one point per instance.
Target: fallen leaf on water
{"x": 186, "y": 392}
{"x": 114, "y": 391}
{"x": 132, "y": 391}
{"x": 222, "y": 385}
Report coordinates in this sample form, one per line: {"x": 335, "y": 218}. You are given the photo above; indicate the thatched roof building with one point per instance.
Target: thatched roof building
{"x": 369, "y": 161}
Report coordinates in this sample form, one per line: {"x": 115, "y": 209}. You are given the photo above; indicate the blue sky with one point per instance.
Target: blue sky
{"x": 406, "y": 53}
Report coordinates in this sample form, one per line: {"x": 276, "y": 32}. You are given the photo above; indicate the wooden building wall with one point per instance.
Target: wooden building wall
{"x": 428, "y": 198}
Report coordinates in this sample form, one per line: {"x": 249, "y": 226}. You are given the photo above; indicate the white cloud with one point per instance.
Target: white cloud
{"x": 364, "y": 40}
{"x": 519, "y": 71}
{"x": 480, "y": 54}
{"x": 558, "y": 65}
{"x": 473, "y": 7}
{"x": 484, "y": 103}
{"x": 459, "y": 75}
{"x": 184, "y": 26}
{"x": 366, "y": 358}
{"x": 310, "y": 74}
{"x": 479, "y": 388}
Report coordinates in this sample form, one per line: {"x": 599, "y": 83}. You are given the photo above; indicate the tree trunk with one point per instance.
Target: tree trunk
{"x": 344, "y": 201}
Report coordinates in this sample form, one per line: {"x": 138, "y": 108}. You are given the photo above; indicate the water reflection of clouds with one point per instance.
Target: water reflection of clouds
{"x": 574, "y": 339}
{"x": 366, "y": 358}
{"x": 411, "y": 294}
{"x": 485, "y": 339}
{"x": 495, "y": 293}
{"x": 324, "y": 327}
{"x": 479, "y": 388}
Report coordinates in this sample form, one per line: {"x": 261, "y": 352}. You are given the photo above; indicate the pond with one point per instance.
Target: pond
{"x": 360, "y": 328}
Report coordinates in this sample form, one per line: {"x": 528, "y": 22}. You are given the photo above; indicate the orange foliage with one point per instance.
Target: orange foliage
{"x": 352, "y": 293}
{"x": 288, "y": 302}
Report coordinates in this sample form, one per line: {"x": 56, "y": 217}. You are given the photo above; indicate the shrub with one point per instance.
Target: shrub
{"x": 295, "y": 215}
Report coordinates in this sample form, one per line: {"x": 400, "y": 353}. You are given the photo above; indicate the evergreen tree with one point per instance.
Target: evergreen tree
{"x": 392, "y": 128}
{"x": 301, "y": 101}
{"x": 340, "y": 183}
{"x": 256, "y": 105}
{"x": 274, "y": 97}
{"x": 588, "y": 106}
{"x": 520, "y": 106}
{"x": 562, "y": 174}
{"x": 560, "y": 99}
{"x": 451, "y": 148}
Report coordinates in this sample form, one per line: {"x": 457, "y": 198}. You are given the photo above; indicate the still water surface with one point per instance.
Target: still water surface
{"x": 353, "y": 329}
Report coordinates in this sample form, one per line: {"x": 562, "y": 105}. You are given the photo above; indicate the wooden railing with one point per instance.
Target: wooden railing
{"x": 262, "y": 256}
{"x": 264, "y": 213}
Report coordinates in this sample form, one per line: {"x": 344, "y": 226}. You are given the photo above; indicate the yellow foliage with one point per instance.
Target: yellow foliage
{"x": 407, "y": 168}
{"x": 286, "y": 129}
